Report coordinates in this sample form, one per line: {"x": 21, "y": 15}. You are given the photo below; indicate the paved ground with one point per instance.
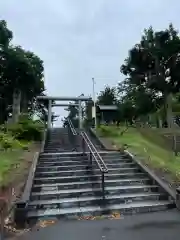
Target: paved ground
{"x": 160, "y": 226}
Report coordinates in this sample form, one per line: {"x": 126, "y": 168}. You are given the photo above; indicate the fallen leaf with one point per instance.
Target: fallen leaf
{"x": 45, "y": 223}
{"x": 115, "y": 215}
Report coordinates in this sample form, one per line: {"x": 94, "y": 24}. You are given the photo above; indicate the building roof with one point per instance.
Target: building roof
{"x": 108, "y": 107}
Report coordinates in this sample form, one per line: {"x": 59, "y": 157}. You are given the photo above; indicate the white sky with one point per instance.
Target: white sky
{"x": 81, "y": 39}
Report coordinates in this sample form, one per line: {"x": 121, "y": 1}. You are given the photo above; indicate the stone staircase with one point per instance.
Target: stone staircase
{"x": 98, "y": 145}
{"x": 67, "y": 186}
{"x": 57, "y": 140}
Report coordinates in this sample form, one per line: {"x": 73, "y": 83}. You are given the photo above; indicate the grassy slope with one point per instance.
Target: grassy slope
{"x": 13, "y": 152}
{"x": 153, "y": 155}
{"x": 10, "y": 160}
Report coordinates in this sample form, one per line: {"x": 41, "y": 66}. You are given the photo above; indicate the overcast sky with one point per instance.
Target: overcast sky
{"x": 81, "y": 39}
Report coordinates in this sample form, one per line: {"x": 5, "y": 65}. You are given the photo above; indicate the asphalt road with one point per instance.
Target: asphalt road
{"x": 157, "y": 226}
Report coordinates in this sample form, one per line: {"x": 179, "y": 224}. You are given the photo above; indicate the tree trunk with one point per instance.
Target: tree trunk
{"x": 168, "y": 107}
{"x": 3, "y": 112}
{"x": 24, "y": 103}
{"x": 159, "y": 121}
{"x": 16, "y": 105}
{"x": 150, "y": 119}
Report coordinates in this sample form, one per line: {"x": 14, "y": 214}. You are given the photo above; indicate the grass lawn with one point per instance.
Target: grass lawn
{"x": 8, "y": 160}
{"x": 152, "y": 154}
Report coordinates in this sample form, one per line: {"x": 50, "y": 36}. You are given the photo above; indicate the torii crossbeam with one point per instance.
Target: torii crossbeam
{"x": 79, "y": 99}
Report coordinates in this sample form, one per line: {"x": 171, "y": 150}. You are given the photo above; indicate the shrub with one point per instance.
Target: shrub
{"x": 27, "y": 129}
{"x": 2, "y": 128}
{"x": 107, "y": 131}
{"x": 9, "y": 142}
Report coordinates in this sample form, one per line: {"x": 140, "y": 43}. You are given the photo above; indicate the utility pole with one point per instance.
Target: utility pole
{"x": 94, "y": 100}
{"x": 80, "y": 115}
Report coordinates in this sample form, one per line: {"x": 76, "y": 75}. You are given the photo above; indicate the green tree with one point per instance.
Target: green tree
{"x": 150, "y": 60}
{"x": 5, "y": 37}
{"x": 107, "y": 97}
{"x": 21, "y": 77}
{"x": 73, "y": 111}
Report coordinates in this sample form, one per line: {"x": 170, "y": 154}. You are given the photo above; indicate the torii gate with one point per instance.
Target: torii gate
{"x": 80, "y": 99}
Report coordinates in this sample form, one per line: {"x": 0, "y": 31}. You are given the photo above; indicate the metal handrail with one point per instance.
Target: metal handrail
{"x": 92, "y": 153}
{"x": 101, "y": 164}
{"x": 73, "y": 130}
{"x": 73, "y": 136}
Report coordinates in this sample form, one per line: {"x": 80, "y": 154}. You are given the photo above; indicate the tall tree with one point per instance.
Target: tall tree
{"x": 73, "y": 114}
{"x": 107, "y": 96}
{"x": 21, "y": 77}
{"x": 150, "y": 60}
{"x": 5, "y": 37}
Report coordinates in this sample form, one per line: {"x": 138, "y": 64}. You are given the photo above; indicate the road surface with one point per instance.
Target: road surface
{"x": 151, "y": 226}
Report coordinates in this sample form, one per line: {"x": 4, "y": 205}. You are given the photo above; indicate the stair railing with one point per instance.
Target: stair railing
{"x": 91, "y": 151}
{"x": 72, "y": 133}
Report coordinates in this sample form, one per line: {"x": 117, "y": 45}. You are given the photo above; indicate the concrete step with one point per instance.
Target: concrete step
{"x": 112, "y": 154}
{"x": 70, "y": 161}
{"x": 128, "y": 208}
{"x": 85, "y": 184}
{"x": 66, "y": 179}
{"x": 54, "y": 194}
{"x": 61, "y": 142}
{"x": 64, "y": 159}
{"x": 44, "y": 167}
{"x": 94, "y": 200}
{"x": 118, "y": 156}
{"x": 61, "y": 155}
{"x": 61, "y": 163}
{"x": 85, "y": 172}
{"x": 73, "y": 154}
{"x": 57, "y": 146}
{"x": 56, "y": 157}
{"x": 54, "y": 145}
{"x": 57, "y": 149}
{"x": 76, "y": 163}
{"x": 79, "y": 159}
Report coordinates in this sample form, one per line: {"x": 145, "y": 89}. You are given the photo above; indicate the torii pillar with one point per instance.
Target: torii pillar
{"x": 49, "y": 113}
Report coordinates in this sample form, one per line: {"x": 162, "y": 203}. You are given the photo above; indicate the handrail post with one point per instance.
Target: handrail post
{"x": 69, "y": 132}
{"x": 90, "y": 157}
{"x": 103, "y": 185}
{"x": 83, "y": 145}
{"x": 73, "y": 142}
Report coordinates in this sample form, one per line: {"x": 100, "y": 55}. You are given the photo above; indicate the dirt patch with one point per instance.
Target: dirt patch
{"x": 12, "y": 190}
